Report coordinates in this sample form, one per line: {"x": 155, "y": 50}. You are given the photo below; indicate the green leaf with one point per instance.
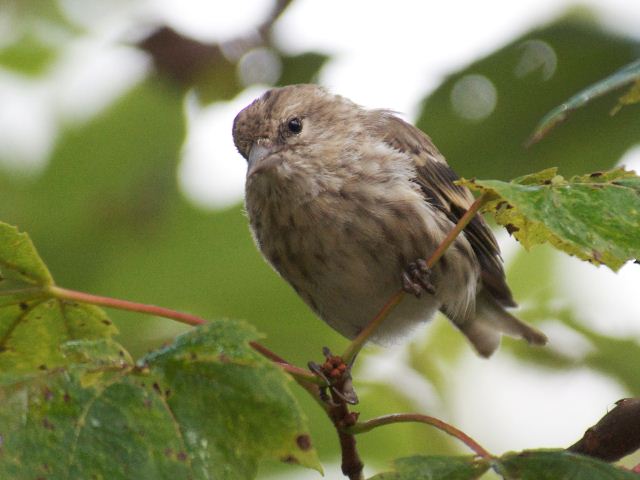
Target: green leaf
{"x": 578, "y": 51}
{"x": 630, "y": 97}
{"x": 622, "y": 77}
{"x": 207, "y": 406}
{"x": 435, "y": 468}
{"x": 594, "y": 217}
{"x": 33, "y": 326}
{"x": 558, "y": 465}
{"x": 301, "y": 68}
{"x": 28, "y": 55}
{"x": 250, "y": 412}
{"x": 32, "y": 335}
{"x": 19, "y": 260}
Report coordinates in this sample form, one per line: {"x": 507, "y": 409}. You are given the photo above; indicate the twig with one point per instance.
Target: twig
{"x": 616, "y": 435}
{"x": 357, "y": 343}
{"x": 416, "y": 417}
{"x": 343, "y": 419}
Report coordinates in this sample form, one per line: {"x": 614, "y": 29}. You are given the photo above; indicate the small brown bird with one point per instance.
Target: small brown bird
{"x": 346, "y": 203}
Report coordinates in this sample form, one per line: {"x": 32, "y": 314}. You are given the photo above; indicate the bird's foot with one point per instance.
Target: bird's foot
{"x": 337, "y": 376}
{"x": 416, "y": 278}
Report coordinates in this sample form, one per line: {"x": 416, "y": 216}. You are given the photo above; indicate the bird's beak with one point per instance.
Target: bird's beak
{"x": 258, "y": 159}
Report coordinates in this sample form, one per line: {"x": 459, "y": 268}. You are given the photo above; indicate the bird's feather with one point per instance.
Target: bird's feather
{"x": 436, "y": 180}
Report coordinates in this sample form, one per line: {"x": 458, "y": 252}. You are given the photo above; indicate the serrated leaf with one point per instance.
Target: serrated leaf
{"x": 594, "y": 217}
{"x": 19, "y": 260}
{"x": 207, "y": 406}
{"x": 558, "y": 465}
{"x": 622, "y": 77}
{"x": 247, "y": 397}
{"x": 435, "y": 468}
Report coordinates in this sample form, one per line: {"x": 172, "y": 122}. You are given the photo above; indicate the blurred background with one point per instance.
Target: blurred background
{"x": 116, "y": 156}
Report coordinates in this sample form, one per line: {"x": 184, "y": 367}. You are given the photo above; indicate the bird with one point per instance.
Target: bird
{"x": 346, "y": 203}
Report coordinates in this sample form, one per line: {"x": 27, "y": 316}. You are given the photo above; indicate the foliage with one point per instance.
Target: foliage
{"x": 108, "y": 216}
{"x": 595, "y": 217}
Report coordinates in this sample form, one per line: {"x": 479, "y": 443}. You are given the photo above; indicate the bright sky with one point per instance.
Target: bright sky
{"x": 382, "y": 57}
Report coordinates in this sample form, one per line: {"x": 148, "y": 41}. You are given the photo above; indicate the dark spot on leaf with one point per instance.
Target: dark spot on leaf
{"x": 193, "y": 356}
{"x": 106, "y": 322}
{"x": 156, "y": 387}
{"x": 23, "y": 306}
{"x": 66, "y": 397}
{"x": 182, "y": 456}
{"x": 304, "y": 442}
{"x": 224, "y": 358}
{"x": 168, "y": 452}
{"x": 3, "y": 348}
{"x": 167, "y": 393}
{"x": 45, "y": 467}
{"x": 290, "y": 459}
{"x": 597, "y": 256}
{"x": 42, "y": 367}
{"x": 147, "y": 403}
{"x": 547, "y": 182}
{"x": 121, "y": 353}
{"x": 47, "y": 394}
{"x": 47, "y": 424}
{"x": 596, "y": 174}
{"x": 511, "y": 228}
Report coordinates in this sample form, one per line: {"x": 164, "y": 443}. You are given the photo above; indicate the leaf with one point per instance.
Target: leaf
{"x": 33, "y": 326}
{"x": 558, "y": 465}
{"x": 435, "y": 468}
{"x": 622, "y": 77}
{"x": 250, "y": 411}
{"x": 594, "y": 217}
{"x": 629, "y": 98}
{"x": 207, "y": 406}
{"x": 301, "y": 68}
{"x": 27, "y": 55}
{"x": 582, "y": 51}
{"x": 19, "y": 259}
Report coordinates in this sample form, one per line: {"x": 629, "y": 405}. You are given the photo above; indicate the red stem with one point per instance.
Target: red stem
{"x": 416, "y": 417}
{"x": 65, "y": 294}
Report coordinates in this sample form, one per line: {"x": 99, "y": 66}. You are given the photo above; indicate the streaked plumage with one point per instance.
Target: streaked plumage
{"x": 343, "y": 206}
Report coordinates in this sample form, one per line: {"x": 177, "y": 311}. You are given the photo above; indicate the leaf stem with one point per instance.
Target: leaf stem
{"x": 369, "y": 425}
{"x": 356, "y": 345}
{"x": 66, "y": 294}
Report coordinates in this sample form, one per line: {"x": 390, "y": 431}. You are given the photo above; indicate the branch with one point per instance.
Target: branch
{"x": 416, "y": 417}
{"x": 616, "y": 435}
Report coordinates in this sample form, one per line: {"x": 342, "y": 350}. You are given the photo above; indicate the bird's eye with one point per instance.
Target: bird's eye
{"x": 294, "y": 125}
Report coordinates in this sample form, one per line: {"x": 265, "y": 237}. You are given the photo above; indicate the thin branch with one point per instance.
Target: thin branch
{"x": 416, "y": 417}
{"x": 356, "y": 345}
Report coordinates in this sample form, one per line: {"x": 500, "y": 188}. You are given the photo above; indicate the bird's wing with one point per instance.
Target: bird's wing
{"x": 435, "y": 178}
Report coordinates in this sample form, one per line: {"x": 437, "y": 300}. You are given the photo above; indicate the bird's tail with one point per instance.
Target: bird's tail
{"x": 492, "y": 320}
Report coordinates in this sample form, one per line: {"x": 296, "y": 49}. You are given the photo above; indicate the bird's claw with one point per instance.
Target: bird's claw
{"x": 416, "y": 278}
